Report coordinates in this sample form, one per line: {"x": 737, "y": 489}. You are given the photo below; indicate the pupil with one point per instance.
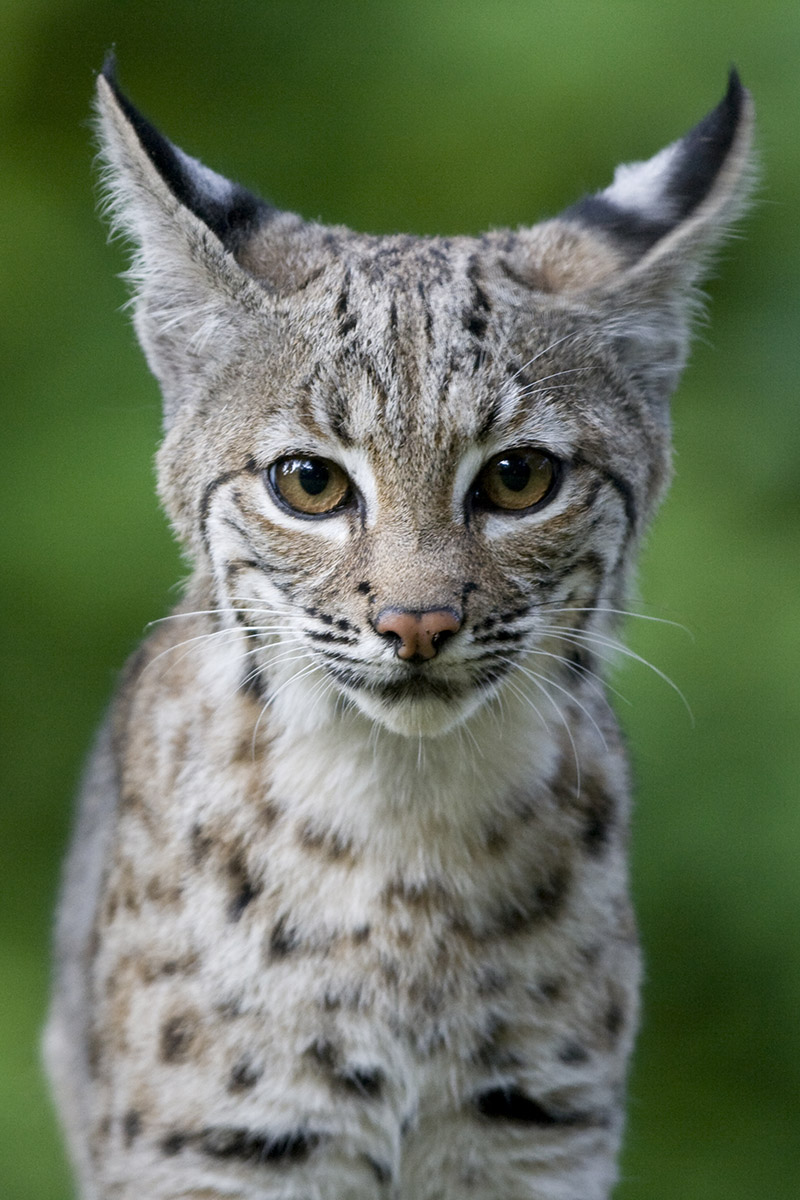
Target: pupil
{"x": 314, "y": 477}
{"x": 515, "y": 473}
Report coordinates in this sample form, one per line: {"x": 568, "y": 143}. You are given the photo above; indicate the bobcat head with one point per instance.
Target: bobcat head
{"x": 412, "y": 472}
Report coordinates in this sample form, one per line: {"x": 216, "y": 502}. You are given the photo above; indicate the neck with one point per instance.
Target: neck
{"x": 405, "y": 796}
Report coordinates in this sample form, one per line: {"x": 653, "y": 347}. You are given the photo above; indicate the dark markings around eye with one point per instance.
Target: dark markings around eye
{"x": 621, "y": 486}
{"x": 208, "y": 493}
{"x": 236, "y": 527}
{"x": 338, "y": 413}
{"x": 489, "y": 416}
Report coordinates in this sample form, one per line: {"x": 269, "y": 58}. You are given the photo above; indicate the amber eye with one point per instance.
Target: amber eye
{"x": 516, "y": 480}
{"x": 314, "y": 487}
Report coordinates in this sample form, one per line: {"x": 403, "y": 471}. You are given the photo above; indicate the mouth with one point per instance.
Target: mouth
{"x": 415, "y": 701}
{"x": 414, "y": 683}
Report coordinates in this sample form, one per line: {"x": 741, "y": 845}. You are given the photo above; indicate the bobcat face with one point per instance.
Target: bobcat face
{"x": 416, "y": 468}
{"x": 403, "y": 521}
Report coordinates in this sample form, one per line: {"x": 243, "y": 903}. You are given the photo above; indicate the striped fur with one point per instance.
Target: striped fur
{"x": 338, "y": 924}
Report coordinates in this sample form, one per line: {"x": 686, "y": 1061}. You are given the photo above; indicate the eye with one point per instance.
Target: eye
{"x": 516, "y": 480}
{"x": 313, "y": 487}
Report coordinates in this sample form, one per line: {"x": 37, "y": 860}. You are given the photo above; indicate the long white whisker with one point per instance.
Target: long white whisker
{"x": 524, "y": 696}
{"x": 593, "y": 680}
{"x": 537, "y": 383}
{"x": 590, "y": 639}
{"x": 301, "y": 674}
{"x": 192, "y": 644}
{"x": 545, "y": 679}
{"x": 619, "y": 612}
{"x": 535, "y": 681}
{"x": 541, "y": 353}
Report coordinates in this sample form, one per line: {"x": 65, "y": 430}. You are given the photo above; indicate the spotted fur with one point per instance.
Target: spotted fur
{"x": 341, "y": 922}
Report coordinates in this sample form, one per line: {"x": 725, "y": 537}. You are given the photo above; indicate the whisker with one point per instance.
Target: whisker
{"x": 191, "y": 643}
{"x": 524, "y": 696}
{"x": 541, "y": 353}
{"x": 620, "y": 612}
{"x": 593, "y": 679}
{"x": 537, "y": 383}
{"x": 590, "y": 639}
{"x": 301, "y": 674}
{"x": 564, "y": 722}
{"x": 545, "y": 679}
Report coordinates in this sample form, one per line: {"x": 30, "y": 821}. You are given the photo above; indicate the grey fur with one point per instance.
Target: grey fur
{"x": 341, "y": 921}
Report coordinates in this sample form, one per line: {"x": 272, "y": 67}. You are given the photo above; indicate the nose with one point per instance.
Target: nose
{"x": 417, "y": 634}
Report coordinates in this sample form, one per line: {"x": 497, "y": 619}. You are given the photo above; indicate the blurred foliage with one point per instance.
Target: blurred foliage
{"x": 449, "y": 117}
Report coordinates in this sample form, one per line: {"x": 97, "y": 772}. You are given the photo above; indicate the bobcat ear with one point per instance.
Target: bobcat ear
{"x": 188, "y": 223}
{"x": 636, "y": 250}
{"x": 691, "y": 189}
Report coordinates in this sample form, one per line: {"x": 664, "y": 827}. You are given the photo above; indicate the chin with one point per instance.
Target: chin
{"x": 423, "y": 717}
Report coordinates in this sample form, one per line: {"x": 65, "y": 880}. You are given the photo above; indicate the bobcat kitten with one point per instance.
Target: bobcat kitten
{"x": 346, "y": 914}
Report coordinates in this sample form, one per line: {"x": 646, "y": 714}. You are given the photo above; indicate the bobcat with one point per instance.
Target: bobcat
{"x": 346, "y": 914}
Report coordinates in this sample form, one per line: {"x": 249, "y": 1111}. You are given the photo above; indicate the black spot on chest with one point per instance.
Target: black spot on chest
{"x": 357, "y": 1080}
{"x": 600, "y": 819}
{"x": 244, "y": 1076}
{"x": 257, "y": 1146}
{"x": 245, "y": 889}
{"x": 510, "y": 1104}
{"x": 178, "y": 1035}
{"x": 131, "y": 1126}
{"x": 283, "y": 939}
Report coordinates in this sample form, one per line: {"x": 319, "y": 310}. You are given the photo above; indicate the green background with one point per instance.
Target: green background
{"x": 431, "y": 117}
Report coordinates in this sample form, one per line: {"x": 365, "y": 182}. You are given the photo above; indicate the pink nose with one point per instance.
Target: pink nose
{"x": 418, "y": 634}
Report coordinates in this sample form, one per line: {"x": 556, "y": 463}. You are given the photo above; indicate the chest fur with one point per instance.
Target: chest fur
{"x": 288, "y": 877}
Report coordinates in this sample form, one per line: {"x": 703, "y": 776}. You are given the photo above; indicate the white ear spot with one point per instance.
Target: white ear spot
{"x": 641, "y": 186}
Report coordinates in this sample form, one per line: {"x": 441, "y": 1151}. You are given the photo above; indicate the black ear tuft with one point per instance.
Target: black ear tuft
{"x": 109, "y": 68}
{"x": 649, "y": 199}
{"x": 229, "y": 210}
{"x": 704, "y": 149}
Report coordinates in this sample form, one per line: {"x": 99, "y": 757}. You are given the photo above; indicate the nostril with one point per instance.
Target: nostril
{"x": 439, "y": 639}
{"x": 418, "y": 634}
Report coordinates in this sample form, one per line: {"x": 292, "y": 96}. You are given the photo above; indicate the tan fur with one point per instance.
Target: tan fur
{"x": 337, "y": 924}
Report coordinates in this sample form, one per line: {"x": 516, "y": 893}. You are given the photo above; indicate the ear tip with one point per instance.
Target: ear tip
{"x": 737, "y": 94}
{"x": 108, "y": 71}
{"x": 107, "y": 85}
{"x": 736, "y": 89}
{"x": 109, "y": 67}
{"x": 737, "y": 103}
